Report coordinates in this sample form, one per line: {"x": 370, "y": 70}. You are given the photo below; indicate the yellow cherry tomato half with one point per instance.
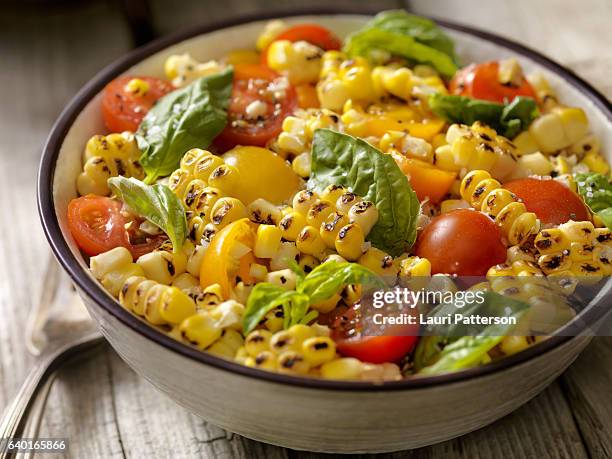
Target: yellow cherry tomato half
{"x": 229, "y": 256}
{"x": 263, "y": 174}
{"x": 427, "y": 181}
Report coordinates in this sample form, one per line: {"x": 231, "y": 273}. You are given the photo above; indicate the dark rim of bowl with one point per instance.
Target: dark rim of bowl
{"x": 93, "y": 289}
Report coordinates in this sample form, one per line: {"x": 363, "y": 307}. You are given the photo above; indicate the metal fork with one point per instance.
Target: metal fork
{"x": 59, "y": 329}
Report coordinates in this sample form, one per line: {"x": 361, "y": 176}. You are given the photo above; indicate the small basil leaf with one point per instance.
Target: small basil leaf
{"x": 341, "y": 159}
{"x": 596, "y": 191}
{"x": 187, "y": 118}
{"x": 156, "y": 203}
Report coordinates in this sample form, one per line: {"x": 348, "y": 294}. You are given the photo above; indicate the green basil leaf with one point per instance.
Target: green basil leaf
{"x": 596, "y": 191}
{"x": 449, "y": 351}
{"x": 466, "y": 352}
{"x": 265, "y": 297}
{"x": 330, "y": 277}
{"x": 341, "y": 159}
{"x": 423, "y": 30}
{"x": 367, "y": 42}
{"x": 157, "y": 203}
{"x": 190, "y": 117}
{"x": 507, "y": 119}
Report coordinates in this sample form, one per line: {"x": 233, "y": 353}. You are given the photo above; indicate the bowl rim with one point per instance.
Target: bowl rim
{"x": 94, "y": 290}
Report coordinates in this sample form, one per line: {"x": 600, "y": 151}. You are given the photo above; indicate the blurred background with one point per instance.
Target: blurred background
{"x": 50, "y": 48}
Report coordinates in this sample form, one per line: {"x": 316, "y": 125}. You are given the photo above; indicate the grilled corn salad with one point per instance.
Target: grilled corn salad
{"x": 243, "y": 205}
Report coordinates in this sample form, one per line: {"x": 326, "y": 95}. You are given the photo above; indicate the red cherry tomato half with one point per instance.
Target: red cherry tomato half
{"x": 97, "y": 225}
{"x": 551, "y": 201}
{"x": 463, "y": 242}
{"x": 481, "y": 81}
{"x": 373, "y": 349}
{"x": 123, "y": 110}
{"x": 254, "y": 83}
{"x": 312, "y": 33}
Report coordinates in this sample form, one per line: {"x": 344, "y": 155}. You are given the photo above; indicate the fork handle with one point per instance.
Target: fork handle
{"x": 13, "y": 419}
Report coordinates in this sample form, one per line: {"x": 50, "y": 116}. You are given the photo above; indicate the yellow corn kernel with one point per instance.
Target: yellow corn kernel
{"x": 309, "y": 241}
{"x": 106, "y": 262}
{"x": 596, "y": 163}
{"x": 226, "y": 178}
{"x": 535, "y": 164}
{"x": 346, "y": 201}
{"x": 274, "y": 320}
{"x": 588, "y": 144}
{"x": 152, "y": 303}
{"x": 331, "y": 227}
{"x": 332, "y": 192}
{"x": 267, "y": 241}
{"x": 318, "y": 213}
{"x": 114, "y": 280}
{"x": 291, "y": 225}
{"x": 226, "y": 211}
{"x": 343, "y": 368}
{"x": 201, "y": 330}
{"x": 364, "y": 214}
{"x": 162, "y": 266}
{"x": 300, "y": 60}
{"x": 552, "y": 240}
{"x": 525, "y": 143}
{"x": 257, "y": 342}
{"x": 258, "y": 272}
{"x": 301, "y": 164}
{"x": 175, "y": 306}
{"x": 307, "y": 262}
{"x": 318, "y": 350}
{"x": 350, "y": 241}
{"x": 448, "y": 205}
{"x": 575, "y": 123}
{"x": 415, "y": 272}
{"x": 380, "y": 263}
{"x": 282, "y": 341}
{"x": 513, "y": 344}
{"x": 304, "y": 200}
{"x": 292, "y": 362}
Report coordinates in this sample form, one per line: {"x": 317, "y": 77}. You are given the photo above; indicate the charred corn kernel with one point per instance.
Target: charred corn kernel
{"x": 178, "y": 181}
{"x": 291, "y": 225}
{"x": 226, "y": 178}
{"x": 352, "y": 293}
{"x": 535, "y": 164}
{"x": 414, "y": 271}
{"x": 228, "y": 345}
{"x": 274, "y": 320}
{"x": 138, "y": 297}
{"x": 510, "y": 73}
{"x": 331, "y": 227}
{"x": 552, "y": 263}
{"x": 547, "y": 97}
{"x": 201, "y": 330}
{"x": 501, "y": 270}
{"x": 318, "y": 350}
{"x": 226, "y": 211}
{"x": 287, "y": 253}
{"x": 331, "y": 193}
{"x": 175, "y": 306}
{"x": 162, "y": 266}
{"x": 364, "y": 214}
{"x": 380, "y": 263}
{"x": 381, "y": 372}
{"x": 262, "y": 211}
{"x": 271, "y": 30}
{"x": 303, "y": 200}
{"x": 267, "y": 241}
{"x": 525, "y": 143}
{"x": 266, "y": 360}
{"x": 293, "y": 139}
{"x": 108, "y": 156}
{"x": 560, "y": 128}
{"x": 448, "y": 205}
{"x": 194, "y": 262}
{"x": 596, "y": 163}
{"x": 292, "y": 362}
{"x": 309, "y": 241}
{"x": 182, "y": 69}
{"x": 485, "y": 193}
{"x": 301, "y": 164}
{"x": 318, "y": 213}
{"x": 127, "y": 295}
{"x": 300, "y": 60}
{"x": 114, "y": 280}
{"x": 327, "y": 305}
{"x": 513, "y": 344}
{"x": 203, "y": 167}
{"x": 185, "y": 282}
{"x": 552, "y": 240}
{"x": 112, "y": 260}
{"x": 284, "y": 278}
{"x": 403, "y": 143}
{"x": 137, "y": 87}
{"x": 258, "y": 272}
{"x": 300, "y": 333}
{"x": 282, "y": 341}
{"x": 152, "y": 304}
{"x": 520, "y": 253}
{"x": 350, "y": 242}
{"x": 477, "y": 147}
{"x": 307, "y": 262}
{"x": 343, "y": 368}
{"x": 211, "y": 296}
{"x": 589, "y": 144}
{"x": 346, "y": 201}
{"x": 257, "y": 342}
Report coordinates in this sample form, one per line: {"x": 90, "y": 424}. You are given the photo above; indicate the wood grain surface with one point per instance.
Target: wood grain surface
{"x": 49, "y": 50}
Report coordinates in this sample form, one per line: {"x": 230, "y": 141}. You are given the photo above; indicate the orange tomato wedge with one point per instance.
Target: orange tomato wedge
{"x": 426, "y": 180}
{"x": 229, "y": 256}
{"x": 307, "y": 96}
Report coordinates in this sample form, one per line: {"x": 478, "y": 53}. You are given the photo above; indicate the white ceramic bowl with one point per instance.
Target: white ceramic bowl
{"x": 295, "y": 412}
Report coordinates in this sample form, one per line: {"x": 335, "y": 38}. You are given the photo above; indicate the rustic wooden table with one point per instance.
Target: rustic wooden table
{"x": 49, "y": 50}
